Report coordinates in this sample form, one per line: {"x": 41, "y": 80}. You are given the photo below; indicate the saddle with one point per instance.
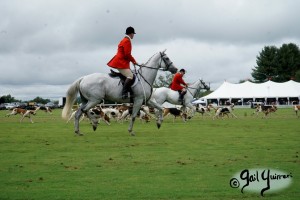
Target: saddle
{"x": 114, "y": 74}
{"x": 122, "y": 78}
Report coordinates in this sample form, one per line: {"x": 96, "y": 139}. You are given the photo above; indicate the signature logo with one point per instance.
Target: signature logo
{"x": 261, "y": 180}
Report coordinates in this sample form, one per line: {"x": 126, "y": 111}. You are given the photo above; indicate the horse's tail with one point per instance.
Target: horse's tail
{"x": 70, "y": 99}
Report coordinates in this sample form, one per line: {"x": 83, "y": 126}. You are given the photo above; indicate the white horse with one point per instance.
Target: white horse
{"x": 96, "y": 87}
{"x": 163, "y": 94}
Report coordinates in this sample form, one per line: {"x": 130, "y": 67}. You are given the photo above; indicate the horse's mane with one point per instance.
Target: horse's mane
{"x": 150, "y": 58}
{"x": 194, "y": 83}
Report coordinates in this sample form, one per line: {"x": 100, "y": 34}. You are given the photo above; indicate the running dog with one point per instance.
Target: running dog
{"x": 175, "y": 112}
{"x": 23, "y": 112}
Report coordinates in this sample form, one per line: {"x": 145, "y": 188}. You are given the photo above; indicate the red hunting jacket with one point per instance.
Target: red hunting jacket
{"x": 123, "y": 57}
{"x": 177, "y": 82}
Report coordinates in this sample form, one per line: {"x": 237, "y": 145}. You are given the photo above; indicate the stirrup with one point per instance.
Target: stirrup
{"x": 181, "y": 101}
{"x": 126, "y": 95}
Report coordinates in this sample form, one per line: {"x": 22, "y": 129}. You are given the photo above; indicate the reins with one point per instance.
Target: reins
{"x": 141, "y": 75}
{"x": 195, "y": 88}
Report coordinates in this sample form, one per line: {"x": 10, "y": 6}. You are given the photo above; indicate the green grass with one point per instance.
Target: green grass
{"x": 193, "y": 160}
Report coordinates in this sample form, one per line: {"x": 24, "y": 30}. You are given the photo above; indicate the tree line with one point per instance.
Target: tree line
{"x": 9, "y": 99}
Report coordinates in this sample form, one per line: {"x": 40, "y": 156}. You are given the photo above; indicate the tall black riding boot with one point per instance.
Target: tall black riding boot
{"x": 126, "y": 87}
{"x": 181, "y": 96}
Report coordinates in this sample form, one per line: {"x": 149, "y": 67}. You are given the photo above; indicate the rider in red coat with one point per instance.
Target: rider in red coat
{"x": 121, "y": 61}
{"x": 177, "y": 83}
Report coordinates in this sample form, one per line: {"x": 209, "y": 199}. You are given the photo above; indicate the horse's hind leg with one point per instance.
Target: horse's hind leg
{"x": 84, "y": 108}
{"x": 76, "y": 121}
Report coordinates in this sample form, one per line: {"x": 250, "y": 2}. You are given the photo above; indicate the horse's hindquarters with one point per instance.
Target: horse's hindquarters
{"x": 100, "y": 86}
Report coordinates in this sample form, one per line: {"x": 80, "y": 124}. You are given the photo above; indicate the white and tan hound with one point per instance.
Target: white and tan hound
{"x": 220, "y": 112}
{"x": 23, "y": 112}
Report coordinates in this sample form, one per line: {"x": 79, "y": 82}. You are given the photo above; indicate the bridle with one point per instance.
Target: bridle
{"x": 167, "y": 66}
{"x": 166, "y": 61}
{"x": 195, "y": 88}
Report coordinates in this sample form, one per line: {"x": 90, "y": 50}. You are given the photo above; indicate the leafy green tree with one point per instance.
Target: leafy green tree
{"x": 267, "y": 64}
{"x": 203, "y": 90}
{"x": 41, "y": 100}
{"x": 8, "y": 99}
{"x": 163, "y": 80}
{"x": 297, "y": 76}
{"x": 289, "y": 62}
{"x": 277, "y": 64}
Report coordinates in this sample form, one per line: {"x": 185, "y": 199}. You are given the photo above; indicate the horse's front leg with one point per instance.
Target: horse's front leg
{"x": 136, "y": 107}
{"x": 159, "y": 115}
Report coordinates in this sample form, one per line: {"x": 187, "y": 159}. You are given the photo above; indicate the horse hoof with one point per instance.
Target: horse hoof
{"x": 158, "y": 125}
{"x": 78, "y": 134}
{"x": 132, "y": 133}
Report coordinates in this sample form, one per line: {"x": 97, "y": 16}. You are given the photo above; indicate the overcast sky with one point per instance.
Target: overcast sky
{"x": 47, "y": 44}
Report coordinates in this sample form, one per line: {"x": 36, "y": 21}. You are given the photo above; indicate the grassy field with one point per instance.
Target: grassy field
{"x": 193, "y": 160}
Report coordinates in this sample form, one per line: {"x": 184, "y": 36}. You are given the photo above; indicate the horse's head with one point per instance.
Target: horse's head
{"x": 167, "y": 64}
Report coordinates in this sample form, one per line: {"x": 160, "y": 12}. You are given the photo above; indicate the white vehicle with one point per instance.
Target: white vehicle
{"x": 201, "y": 101}
{"x": 9, "y": 106}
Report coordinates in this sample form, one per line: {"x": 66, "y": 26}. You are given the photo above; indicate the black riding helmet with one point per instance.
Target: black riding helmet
{"x": 130, "y": 30}
{"x": 182, "y": 70}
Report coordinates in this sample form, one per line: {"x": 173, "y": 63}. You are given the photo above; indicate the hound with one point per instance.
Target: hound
{"x": 296, "y": 108}
{"x": 257, "y": 110}
{"x": 144, "y": 117}
{"x": 224, "y": 110}
{"x": 203, "y": 110}
{"x": 23, "y": 112}
{"x": 217, "y": 108}
{"x": 111, "y": 112}
{"x": 265, "y": 109}
{"x": 268, "y": 110}
{"x": 99, "y": 114}
{"x": 176, "y": 113}
{"x": 46, "y": 109}
{"x": 149, "y": 111}
{"x": 95, "y": 113}
{"x": 73, "y": 115}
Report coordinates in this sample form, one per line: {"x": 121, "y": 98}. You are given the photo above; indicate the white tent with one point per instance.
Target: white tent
{"x": 290, "y": 91}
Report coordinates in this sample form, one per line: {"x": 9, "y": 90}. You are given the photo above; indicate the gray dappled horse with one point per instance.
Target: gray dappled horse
{"x": 96, "y": 87}
{"x": 164, "y": 94}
